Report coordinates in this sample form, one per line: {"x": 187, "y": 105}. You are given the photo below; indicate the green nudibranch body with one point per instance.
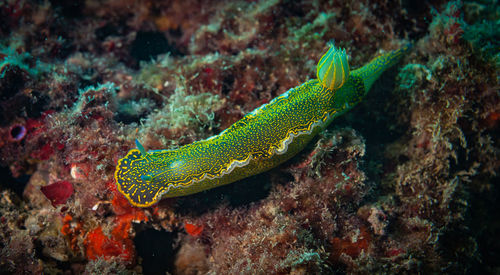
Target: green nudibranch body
{"x": 264, "y": 138}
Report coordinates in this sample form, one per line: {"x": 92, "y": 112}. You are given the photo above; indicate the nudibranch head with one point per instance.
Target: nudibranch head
{"x": 333, "y": 68}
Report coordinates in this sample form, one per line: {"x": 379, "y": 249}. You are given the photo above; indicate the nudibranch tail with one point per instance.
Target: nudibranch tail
{"x": 333, "y": 68}
{"x": 372, "y": 71}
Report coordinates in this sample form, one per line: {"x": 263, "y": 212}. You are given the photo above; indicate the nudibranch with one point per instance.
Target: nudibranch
{"x": 261, "y": 140}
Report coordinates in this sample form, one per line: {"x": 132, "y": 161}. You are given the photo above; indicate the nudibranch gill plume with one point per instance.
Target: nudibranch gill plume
{"x": 261, "y": 140}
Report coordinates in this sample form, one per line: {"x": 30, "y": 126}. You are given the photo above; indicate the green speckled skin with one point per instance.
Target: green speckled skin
{"x": 264, "y": 138}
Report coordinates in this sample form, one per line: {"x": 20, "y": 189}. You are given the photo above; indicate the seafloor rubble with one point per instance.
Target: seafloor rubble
{"x": 404, "y": 183}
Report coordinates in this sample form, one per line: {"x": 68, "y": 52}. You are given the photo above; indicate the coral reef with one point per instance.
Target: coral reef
{"x": 404, "y": 183}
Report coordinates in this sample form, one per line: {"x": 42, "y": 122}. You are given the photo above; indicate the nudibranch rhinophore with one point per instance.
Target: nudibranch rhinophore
{"x": 261, "y": 140}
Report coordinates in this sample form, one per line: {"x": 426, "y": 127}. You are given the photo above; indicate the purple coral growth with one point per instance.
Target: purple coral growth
{"x": 17, "y": 132}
